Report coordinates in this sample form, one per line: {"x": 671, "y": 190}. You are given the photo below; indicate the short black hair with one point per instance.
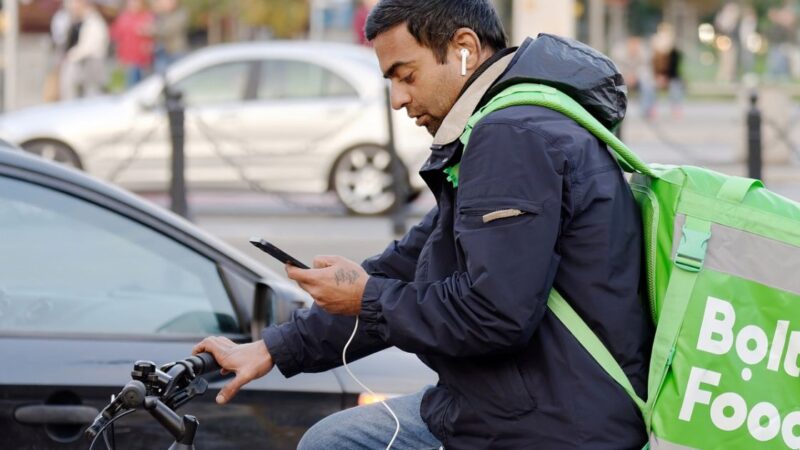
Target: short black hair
{"x": 434, "y": 22}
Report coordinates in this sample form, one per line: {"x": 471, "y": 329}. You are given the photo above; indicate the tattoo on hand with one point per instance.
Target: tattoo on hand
{"x": 346, "y": 276}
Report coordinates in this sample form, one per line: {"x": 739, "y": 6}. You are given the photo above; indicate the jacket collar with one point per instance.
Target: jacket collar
{"x": 455, "y": 121}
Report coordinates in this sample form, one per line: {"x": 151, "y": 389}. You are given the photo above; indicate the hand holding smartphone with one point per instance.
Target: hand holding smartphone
{"x": 277, "y": 253}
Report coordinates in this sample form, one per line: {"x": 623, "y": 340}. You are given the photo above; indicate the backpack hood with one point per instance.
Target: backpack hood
{"x": 576, "y": 69}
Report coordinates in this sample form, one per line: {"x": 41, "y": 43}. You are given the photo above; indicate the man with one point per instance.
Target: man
{"x": 540, "y": 203}
{"x": 170, "y": 32}
{"x": 83, "y": 71}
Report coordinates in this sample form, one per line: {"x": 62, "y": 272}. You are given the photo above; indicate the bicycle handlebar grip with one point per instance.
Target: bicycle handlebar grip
{"x": 203, "y": 363}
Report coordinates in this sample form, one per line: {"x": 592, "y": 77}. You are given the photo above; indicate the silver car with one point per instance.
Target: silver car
{"x": 276, "y": 116}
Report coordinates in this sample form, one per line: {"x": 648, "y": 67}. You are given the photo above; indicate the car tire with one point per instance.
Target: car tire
{"x": 52, "y": 150}
{"x": 362, "y": 180}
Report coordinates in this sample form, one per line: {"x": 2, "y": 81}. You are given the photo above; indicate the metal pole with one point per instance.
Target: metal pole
{"x": 754, "y": 138}
{"x": 176, "y": 116}
{"x": 399, "y": 176}
{"x": 11, "y": 52}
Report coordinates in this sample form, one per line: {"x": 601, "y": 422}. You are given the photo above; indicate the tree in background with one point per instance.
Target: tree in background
{"x": 229, "y": 20}
{"x": 284, "y": 18}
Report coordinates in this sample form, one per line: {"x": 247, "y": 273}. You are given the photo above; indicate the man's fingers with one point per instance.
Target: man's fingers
{"x": 323, "y": 261}
{"x": 232, "y": 388}
{"x": 203, "y": 346}
{"x": 320, "y": 262}
{"x": 299, "y": 274}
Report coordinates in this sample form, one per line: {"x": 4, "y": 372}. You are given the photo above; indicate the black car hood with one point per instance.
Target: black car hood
{"x": 576, "y": 69}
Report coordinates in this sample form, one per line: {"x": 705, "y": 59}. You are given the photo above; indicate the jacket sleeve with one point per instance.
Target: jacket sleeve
{"x": 312, "y": 341}
{"x": 506, "y": 226}
{"x": 399, "y": 260}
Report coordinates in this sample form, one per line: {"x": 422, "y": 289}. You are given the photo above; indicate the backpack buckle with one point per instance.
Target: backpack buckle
{"x": 692, "y": 250}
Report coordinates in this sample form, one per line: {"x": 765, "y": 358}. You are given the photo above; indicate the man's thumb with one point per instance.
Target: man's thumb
{"x": 231, "y": 389}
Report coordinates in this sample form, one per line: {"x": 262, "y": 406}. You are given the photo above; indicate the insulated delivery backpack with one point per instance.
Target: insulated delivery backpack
{"x": 723, "y": 276}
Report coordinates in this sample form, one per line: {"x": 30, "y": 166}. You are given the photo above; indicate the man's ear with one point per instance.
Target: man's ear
{"x": 466, "y": 39}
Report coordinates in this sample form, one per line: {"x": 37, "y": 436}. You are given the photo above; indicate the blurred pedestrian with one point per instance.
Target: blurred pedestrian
{"x": 747, "y": 32}
{"x": 131, "y": 32}
{"x": 360, "y": 19}
{"x": 666, "y": 68}
{"x": 62, "y": 39}
{"x": 727, "y": 23}
{"x": 781, "y": 35}
{"x": 634, "y": 61}
{"x": 83, "y": 71}
{"x": 170, "y": 32}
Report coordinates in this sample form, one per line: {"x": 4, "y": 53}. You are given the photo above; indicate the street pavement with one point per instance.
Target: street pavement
{"x": 707, "y": 133}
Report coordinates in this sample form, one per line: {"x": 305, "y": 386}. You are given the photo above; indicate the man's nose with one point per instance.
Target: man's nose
{"x": 399, "y": 97}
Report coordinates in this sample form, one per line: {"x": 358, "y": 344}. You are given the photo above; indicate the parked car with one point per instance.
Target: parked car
{"x": 93, "y": 278}
{"x": 280, "y": 116}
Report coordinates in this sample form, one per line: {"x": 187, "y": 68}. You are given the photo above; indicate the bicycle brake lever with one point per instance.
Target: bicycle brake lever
{"x": 198, "y": 386}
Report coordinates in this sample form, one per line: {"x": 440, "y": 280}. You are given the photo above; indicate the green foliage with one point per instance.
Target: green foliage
{"x": 285, "y": 18}
{"x": 703, "y": 6}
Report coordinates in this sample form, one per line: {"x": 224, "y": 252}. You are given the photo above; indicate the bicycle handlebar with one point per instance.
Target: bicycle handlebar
{"x": 161, "y": 391}
{"x": 203, "y": 363}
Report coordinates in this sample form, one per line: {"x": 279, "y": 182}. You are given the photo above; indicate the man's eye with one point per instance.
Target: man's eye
{"x": 408, "y": 79}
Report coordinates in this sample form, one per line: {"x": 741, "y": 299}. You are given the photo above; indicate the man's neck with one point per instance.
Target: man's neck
{"x": 482, "y": 68}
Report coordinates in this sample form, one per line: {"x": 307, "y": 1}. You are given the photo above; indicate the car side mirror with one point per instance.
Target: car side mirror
{"x": 262, "y": 309}
{"x": 273, "y": 304}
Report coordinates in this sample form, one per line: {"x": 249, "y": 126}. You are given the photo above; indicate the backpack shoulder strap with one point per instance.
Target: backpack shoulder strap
{"x": 549, "y": 97}
{"x": 589, "y": 340}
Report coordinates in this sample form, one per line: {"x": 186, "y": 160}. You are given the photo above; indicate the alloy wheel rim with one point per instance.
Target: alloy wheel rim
{"x": 363, "y": 180}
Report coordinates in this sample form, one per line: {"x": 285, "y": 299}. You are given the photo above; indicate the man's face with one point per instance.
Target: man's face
{"x": 425, "y": 88}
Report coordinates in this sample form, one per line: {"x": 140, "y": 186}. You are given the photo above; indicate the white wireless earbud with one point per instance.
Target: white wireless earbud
{"x": 464, "y": 55}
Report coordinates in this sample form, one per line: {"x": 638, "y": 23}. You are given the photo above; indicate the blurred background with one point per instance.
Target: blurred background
{"x": 283, "y": 109}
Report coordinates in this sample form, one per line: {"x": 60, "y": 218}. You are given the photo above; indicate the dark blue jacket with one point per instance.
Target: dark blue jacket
{"x": 469, "y": 295}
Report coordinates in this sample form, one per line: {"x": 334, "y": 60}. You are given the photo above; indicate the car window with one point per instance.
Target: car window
{"x": 284, "y": 79}
{"x": 216, "y": 84}
{"x": 71, "y": 266}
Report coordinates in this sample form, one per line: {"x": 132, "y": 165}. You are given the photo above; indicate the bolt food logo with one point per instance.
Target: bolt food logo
{"x": 729, "y": 411}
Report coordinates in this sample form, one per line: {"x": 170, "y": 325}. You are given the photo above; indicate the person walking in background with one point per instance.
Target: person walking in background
{"x": 170, "y": 29}
{"x": 62, "y": 39}
{"x": 634, "y": 61}
{"x": 666, "y": 68}
{"x": 360, "y": 19}
{"x": 781, "y": 35}
{"x": 83, "y": 71}
{"x": 131, "y": 34}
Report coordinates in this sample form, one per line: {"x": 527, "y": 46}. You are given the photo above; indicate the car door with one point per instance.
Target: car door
{"x": 297, "y": 108}
{"x": 215, "y": 98}
{"x": 89, "y": 285}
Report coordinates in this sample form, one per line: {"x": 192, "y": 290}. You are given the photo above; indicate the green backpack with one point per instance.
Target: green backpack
{"x": 723, "y": 276}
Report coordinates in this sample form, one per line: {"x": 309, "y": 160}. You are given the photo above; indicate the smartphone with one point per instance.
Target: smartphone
{"x": 277, "y": 253}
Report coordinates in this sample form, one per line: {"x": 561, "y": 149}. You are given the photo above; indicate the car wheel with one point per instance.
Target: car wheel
{"x": 54, "y": 151}
{"x": 362, "y": 179}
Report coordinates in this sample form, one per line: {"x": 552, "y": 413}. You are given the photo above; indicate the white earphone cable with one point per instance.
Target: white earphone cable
{"x": 344, "y": 361}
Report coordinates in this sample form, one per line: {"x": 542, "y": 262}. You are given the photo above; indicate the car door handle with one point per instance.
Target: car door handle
{"x": 55, "y": 414}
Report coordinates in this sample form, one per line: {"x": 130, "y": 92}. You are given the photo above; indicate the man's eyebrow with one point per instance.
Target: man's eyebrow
{"x": 391, "y": 70}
